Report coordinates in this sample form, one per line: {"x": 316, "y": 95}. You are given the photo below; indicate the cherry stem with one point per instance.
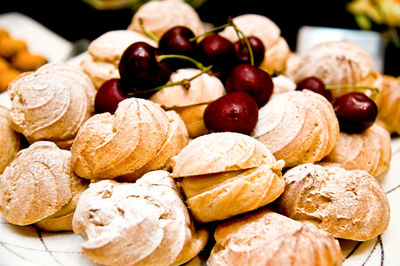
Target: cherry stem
{"x": 374, "y": 91}
{"x": 147, "y": 32}
{"x": 209, "y": 32}
{"x": 240, "y": 32}
{"x": 184, "y": 57}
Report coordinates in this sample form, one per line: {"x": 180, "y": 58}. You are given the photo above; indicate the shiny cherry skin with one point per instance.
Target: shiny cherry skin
{"x": 242, "y": 51}
{"x": 315, "y": 85}
{"x": 252, "y": 80}
{"x": 235, "y": 112}
{"x": 108, "y": 96}
{"x": 355, "y": 111}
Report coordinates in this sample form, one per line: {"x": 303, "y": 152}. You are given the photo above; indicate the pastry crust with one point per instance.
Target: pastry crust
{"x": 347, "y": 204}
{"x": 37, "y": 184}
{"x": 298, "y": 127}
{"x": 160, "y": 16}
{"x": 148, "y": 218}
{"x": 370, "y": 151}
{"x": 108, "y": 146}
{"x": 9, "y": 139}
{"x": 51, "y": 103}
{"x": 268, "y": 238}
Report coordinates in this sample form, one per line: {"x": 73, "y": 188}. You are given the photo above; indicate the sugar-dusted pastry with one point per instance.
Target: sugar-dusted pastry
{"x": 160, "y": 16}
{"x": 348, "y": 204}
{"x": 268, "y": 238}
{"x": 298, "y": 127}
{"x": 225, "y": 174}
{"x": 369, "y": 151}
{"x": 9, "y": 139}
{"x": 110, "y": 146}
{"x": 387, "y": 101}
{"x": 190, "y": 102}
{"x": 51, "y": 103}
{"x": 104, "y": 54}
{"x": 37, "y": 184}
{"x": 293, "y": 62}
{"x": 276, "y": 48}
{"x": 142, "y": 223}
{"x": 282, "y": 84}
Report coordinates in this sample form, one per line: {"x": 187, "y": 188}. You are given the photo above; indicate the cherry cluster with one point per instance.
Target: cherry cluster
{"x": 355, "y": 111}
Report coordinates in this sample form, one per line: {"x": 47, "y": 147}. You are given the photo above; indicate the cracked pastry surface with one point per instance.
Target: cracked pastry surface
{"x": 37, "y": 184}
{"x": 268, "y": 238}
{"x": 51, "y": 103}
{"x": 142, "y": 223}
{"x": 298, "y": 127}
{"x": 348, "y": 204}
{"x": 9, "y": 139}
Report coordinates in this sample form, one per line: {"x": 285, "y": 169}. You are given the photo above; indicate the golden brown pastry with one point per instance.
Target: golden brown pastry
{"x": 225, "y": 174}
{"x": 9, "y": 139}
{"x": 160, "y": 16}
{"x": 387, "y": 101}
{"x": 191, "y": 102}
{"x": 142, "y": 223}
{"x": 7, "y": 75}
{"x": 110, "y": 146}
{"x": 10, "y": 47}
{"x": 348, "y": 204}
{"x": 37, "y": 184}
{"x": 26, "y": 61}
{"x": 4, "y": 33}
{"x": 51, "y": 103}
{"x": 104, "y": 54}
{"x": 370, "y": 151}
{"x": 268, "y": 238}
{"x": 298, "y": 127}
{"x": 276, "y": 48}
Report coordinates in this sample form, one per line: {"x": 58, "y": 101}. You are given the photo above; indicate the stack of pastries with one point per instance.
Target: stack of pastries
{"x": 151, "y": 185}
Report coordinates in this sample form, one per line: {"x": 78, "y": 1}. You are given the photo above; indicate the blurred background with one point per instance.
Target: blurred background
{"x": 77, "y": 20}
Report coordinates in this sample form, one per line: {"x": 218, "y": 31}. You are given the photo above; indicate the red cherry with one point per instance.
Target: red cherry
{"x": 257, "y": 47}
{"x": 235, "y": 112}
{"x": 108, "y": 96}
{"x": 315, "y": 85}
{"x": 252, "y": 80}
{"x": 355, "y": 111}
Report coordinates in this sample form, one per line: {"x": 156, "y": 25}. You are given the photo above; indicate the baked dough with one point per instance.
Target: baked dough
{"x": 348, "y": 204}
{"x": 268, "y": 238}
{"x": 9, "y": 139}
{"x": 298, "y": 127}
{"x": 142, "y": 223}
{"x": 225, "y": 174}
{"x": 51, "y": 103}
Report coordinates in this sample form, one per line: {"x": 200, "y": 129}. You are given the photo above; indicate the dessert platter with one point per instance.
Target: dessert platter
{"x": 171, "y": 142}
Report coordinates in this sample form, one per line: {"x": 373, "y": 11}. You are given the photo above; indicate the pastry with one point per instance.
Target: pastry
{"x": 293, "y": 63}
{"x": 387, "y": 102}
{"x": 268, "y": 238}
{"x": 225, "y": 174}
{"x": 26, "y": 61}
{"x": 298, "y": 127}
{"x": 104, "y": 54}
{"x": 190, "y": 102}
{"x": 276, "y": 48}
{"x": 51, "y": 103}
{"x": 37, "y": 184}
{"x": 9, "y": 139}
{"x": 160, "y": 16}
{"x": 110, "y": 146}
{"x": 282, "y": 84}
{"x": 369, "y": 151}
{"x": 348, "y": 204}
{"x": 7, "y": 76}
{"x": 142, "y": 223}
{"x": 10, "y": 47}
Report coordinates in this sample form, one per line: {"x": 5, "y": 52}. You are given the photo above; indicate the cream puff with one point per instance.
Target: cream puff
{"x": 9, "y": 139}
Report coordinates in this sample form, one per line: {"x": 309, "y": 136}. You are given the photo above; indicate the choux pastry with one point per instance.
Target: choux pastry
{"x": 9, "y": 139}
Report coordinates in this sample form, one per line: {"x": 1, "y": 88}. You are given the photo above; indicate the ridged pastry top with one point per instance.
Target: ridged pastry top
{"x": 108, "y": 145}
{"x": 160, "y": 16}
{"x": 335, "y": 62}
{"x": 203, "y": 89}
{"x": 104, "y": 54}
{"x": 148, "y": 216}
{"x": 276, "y": 48}
{"x": 268, "y": 238}
{"x": 37, "y": 183}
{"x": 298, "y": 127}
{"x": 51, "y": 103}
{"x": 346, "y": 204}
{"x": 370, "y": 151}
{"x": 220, "y": 152}
{"x": 9, "y": 139}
